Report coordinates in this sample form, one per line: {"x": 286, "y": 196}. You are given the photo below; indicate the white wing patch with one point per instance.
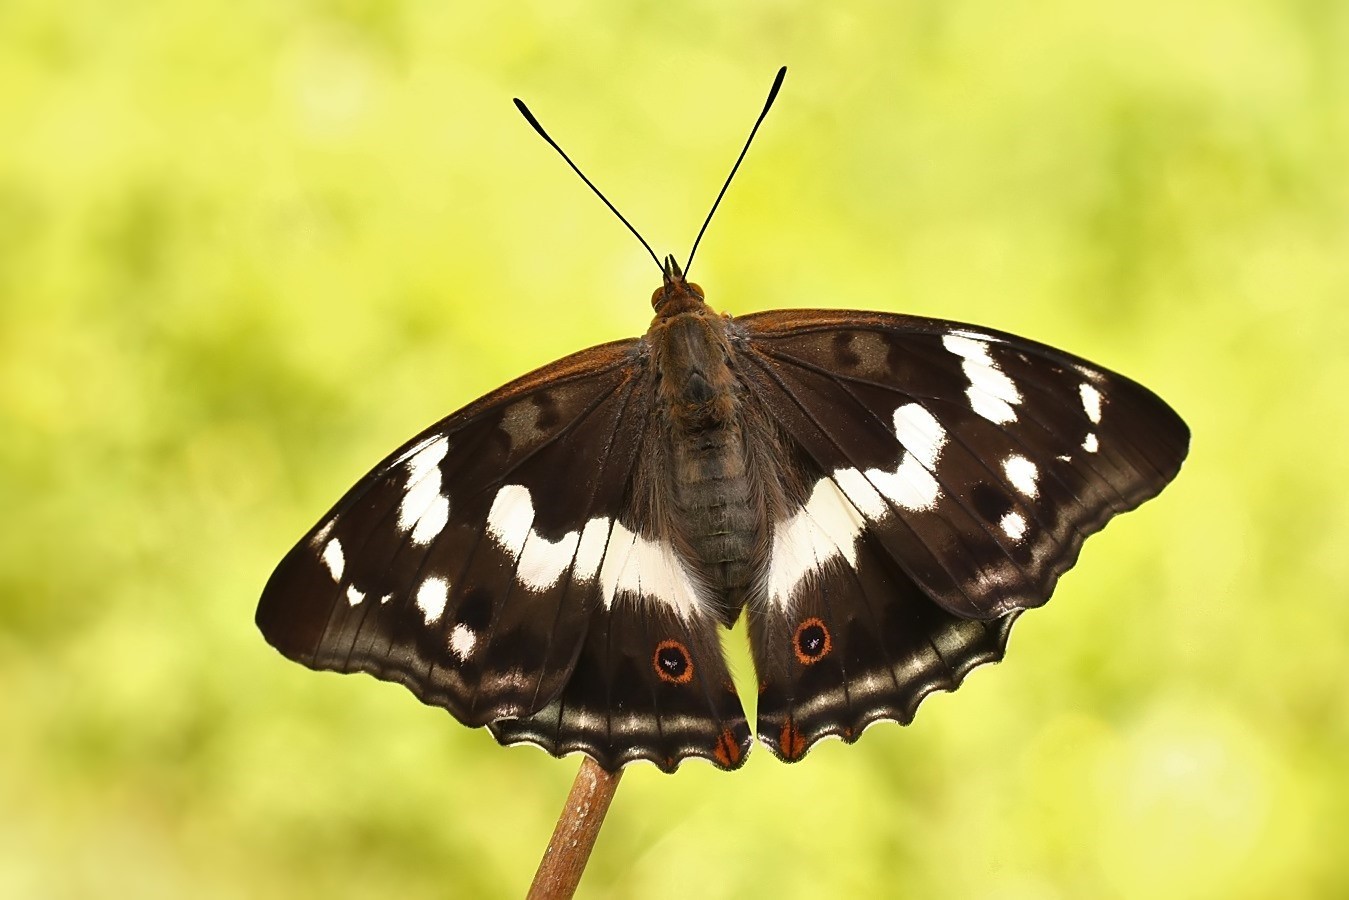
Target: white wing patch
{"x": 911, "y": 485}
{"x": 825, "y": 529}
{"x": 1090, "y": 444}
{"x": 1023, "y": 475}
{"x": 992, "y": 394}
{"x": 334, "y": 560}
{"x": 432, "y": 522}
{"x": 425, "y": 510}
{"x": 624, "y": 562}
{"x": 648, "y": 569}
{"x": 920, "y": 433}
{"x": 431, "y": 599}
{"x": 540, "y": 563}
{"x": 462, "y": 641}
{"x": 354, "y": 597}
{"x": 590, "y": 550}
{"x": 1013, "y": 525}
{"x": 1091, "y": 402}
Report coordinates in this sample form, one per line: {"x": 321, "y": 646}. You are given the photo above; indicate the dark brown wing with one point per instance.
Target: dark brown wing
{"x": 491, "y": 566}
{"x": 957, "y": 472}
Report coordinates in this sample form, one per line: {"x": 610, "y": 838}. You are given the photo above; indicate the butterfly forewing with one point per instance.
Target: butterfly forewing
{"x": 452, "y": 568}
{"x": 981, "y": 460}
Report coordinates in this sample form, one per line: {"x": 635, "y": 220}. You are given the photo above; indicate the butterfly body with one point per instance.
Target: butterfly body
{"x": 880, "y": 495}
{"x": 712, "y": 489}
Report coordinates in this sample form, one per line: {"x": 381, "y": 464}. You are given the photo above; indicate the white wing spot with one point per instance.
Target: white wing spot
{"x": 333, "y": 559}
{"x": 911, "y": 484}
{"x": 919, "y": 433}
{"x": 1023, "y": 474}
{"x": 1091, "y": 402}
{"x": 965, "y": 344}
{"x": 1013, "y": 525}
{"x": 432, "y": 522}
{"x": 432, "y": 596}
{"x": 827, "y": 526}
{"x": 385, "y": 599}
{"x": 1090, "y": 444}
{"x": 427, "y": 457}
{"x": 424, "y": 510}
{"x": 354, "y": 597}
{"x": 511, "y": 518}
{"x": 824, "y": 529}
{"x": 992, "y": 394}
{"x": 590, "y": 549}
{"x": 542, "y": 562}
{"x": 539, "y": 561}
{"x": 648, "y": 569}
{"x": 861, "y": 493}
{"x": 462, "y": 641}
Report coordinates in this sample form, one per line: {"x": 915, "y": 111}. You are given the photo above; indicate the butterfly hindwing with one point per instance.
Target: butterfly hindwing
{"x": 858, "y": 642}
{"x": 649, "y": 684}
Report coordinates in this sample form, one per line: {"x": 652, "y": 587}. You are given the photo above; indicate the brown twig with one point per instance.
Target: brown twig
{"x": 574, "y": 837}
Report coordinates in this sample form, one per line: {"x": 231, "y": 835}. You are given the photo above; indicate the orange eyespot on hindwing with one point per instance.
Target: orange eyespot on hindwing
{"x": 812, "y": 641}
{"x": 672, "y": 662}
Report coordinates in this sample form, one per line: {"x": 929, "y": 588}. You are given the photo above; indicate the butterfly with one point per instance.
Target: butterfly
{"x": 880, "y": 495}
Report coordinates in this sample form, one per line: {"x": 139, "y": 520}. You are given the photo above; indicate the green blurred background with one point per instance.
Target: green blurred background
{"x": 247, "y": 248}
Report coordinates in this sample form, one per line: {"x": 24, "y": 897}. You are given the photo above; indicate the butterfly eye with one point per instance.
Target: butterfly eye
{"x": 672, "y": 662}
{"x": 812, "y": 641}
{"x": 697, "y": 289}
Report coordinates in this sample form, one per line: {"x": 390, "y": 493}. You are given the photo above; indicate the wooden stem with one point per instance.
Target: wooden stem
{"x": 574, "y": 837}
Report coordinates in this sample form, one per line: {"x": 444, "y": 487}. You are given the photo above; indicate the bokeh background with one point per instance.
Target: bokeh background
{"x": 246, "y": 248}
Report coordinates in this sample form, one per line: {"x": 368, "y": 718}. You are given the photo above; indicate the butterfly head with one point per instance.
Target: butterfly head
{"x": 675, "y": 295}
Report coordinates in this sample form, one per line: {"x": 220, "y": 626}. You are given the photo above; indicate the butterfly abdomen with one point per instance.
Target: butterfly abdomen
{"x": 715, "y": 500}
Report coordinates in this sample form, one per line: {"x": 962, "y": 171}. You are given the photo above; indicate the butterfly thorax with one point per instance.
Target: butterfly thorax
{"x": 715, "y": 509}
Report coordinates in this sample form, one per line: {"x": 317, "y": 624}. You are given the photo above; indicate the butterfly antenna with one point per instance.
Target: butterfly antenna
{"x": 529, "y": 117}
{"x": 768, "y": 104}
